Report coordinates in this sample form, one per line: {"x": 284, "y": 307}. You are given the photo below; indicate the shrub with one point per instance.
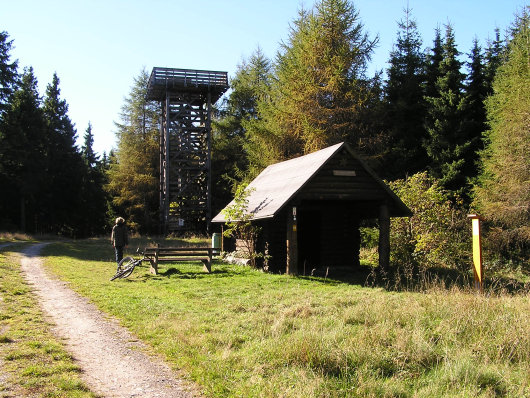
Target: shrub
{"x": 436, "y": 235}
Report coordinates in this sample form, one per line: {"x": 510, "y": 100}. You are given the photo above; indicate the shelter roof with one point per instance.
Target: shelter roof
{"x": 272, "y": 189}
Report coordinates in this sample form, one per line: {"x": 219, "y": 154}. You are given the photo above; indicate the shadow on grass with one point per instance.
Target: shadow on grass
{"x": 416, "y": 280}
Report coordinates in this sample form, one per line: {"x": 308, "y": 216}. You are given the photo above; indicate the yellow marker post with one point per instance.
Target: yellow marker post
{"x": 477, "y": 252}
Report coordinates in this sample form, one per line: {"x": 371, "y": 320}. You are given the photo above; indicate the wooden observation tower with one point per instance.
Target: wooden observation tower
{"x": 186, "y": 97}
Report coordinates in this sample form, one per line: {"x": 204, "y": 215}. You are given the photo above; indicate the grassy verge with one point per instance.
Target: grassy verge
{"x": 243, "y": 333}
{"x": 33, "y": 363}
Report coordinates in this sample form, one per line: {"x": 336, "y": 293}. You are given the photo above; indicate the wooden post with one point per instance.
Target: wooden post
{"x": 154, "y": 263}
{"x": 222, "y": 237}
{"x": 478, "y": 271}
{"x": 384, "y": 236}
{"x": 292, "y": 243}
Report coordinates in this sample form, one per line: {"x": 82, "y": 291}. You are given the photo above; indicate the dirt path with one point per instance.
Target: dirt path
{"x": 113, "y": 361}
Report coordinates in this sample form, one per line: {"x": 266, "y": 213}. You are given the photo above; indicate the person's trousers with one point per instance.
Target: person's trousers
{"x": 119, "y": 253}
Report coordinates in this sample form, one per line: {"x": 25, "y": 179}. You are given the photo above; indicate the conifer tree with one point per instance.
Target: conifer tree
{"x": 404, "y": 102}
{"x": 134, "y": 176}
{"x": 23, "y": 156}
{"x": 433, "y": 60}
{"x": 476, "y": 91}
{"x": 447, "y": 144}
{"x": 93, "y": 197}
{"x": 87, "y": 151}
{"x": 493, "y": 59}
{"x": 8, "y": 71}
{"x": 229, "y": 161}
{"x": 319, "y": 92}
{"x": 503, "y": 193}
{"x": 62, "y": 210}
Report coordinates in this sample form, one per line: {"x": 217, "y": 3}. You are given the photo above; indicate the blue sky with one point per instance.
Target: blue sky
{"x": 97, "y": 47}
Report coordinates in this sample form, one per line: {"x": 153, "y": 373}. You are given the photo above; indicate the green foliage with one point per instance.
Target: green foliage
{"x": 436, "y": 235}
{"x": 494, "y": 57}
{"x": 93, "y": 196}
{"x": 60, "y": 202}
{"x": 319, "y": 94}
{"x": 447, "y": 144}
{"x": 41, "y": 169}
{"x": 8, "y": 71}
{"x": 502, "y": 195}
{"x": 405, "y": 104}
{"x": 230, "y": 148}
{"x": 239, "y": 224}
{"x": 23, "y": 154}
{"x": 134, "y": 173}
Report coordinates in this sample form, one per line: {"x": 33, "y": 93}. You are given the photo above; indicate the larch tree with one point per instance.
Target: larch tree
{"x": 502, "y": 195}
{"x": 319, "y": 91}
{"x": 134, "y": 176}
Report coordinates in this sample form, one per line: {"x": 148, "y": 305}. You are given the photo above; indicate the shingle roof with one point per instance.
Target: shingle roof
{"x": 280, "y": 182}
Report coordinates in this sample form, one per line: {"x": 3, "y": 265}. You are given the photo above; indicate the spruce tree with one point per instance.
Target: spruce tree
{"x": 230, "y": 146}
{"x": 93, "y": 197}
{"x": 476, "y": 90}
{"x": 404, "y": 102}
{"x": 23, "y": 156}
{"x": 433, "y": 60}
{"x": 493, "y": 58}
{"x": 447, "y": 144}
{"x": 87, "y": 151}
{"x": 134, "y": 176}
{"x": 503, "y": 193}
{"x": 8, "y": 71}
{"x": 62, "y": 210}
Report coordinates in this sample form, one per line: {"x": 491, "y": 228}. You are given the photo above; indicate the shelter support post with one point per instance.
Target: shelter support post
{"x": 292, "y": 243}
{"x": 384, "y": 236}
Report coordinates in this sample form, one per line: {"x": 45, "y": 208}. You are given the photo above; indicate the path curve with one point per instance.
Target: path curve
{"x": 113, "y": 361}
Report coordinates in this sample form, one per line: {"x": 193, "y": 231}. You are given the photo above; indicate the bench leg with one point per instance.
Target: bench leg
{"x": 207, "y": 266}
{"x": 154, "y": 267}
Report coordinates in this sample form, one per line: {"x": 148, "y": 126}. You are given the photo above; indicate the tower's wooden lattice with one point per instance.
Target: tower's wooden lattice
{"x": 186, "y": 97}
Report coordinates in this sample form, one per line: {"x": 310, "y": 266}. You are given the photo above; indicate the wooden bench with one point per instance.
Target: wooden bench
{"x": 156, "y": 255}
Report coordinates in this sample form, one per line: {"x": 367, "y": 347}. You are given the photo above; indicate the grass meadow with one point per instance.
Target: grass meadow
{"x": 238, "y": 332}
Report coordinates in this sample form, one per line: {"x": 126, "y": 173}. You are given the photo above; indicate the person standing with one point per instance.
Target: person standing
{"x": 119, "y": 238}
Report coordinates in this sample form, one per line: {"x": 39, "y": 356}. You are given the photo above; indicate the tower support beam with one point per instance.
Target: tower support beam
{"x": 186, "y": 98}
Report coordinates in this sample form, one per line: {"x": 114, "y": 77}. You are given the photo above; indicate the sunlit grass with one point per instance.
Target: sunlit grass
{"x": 243, "y": 333}
{"x": 34, "y": 362}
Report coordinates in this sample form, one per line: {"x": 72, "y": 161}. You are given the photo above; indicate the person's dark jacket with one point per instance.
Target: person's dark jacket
{"x": 119, "y": 236}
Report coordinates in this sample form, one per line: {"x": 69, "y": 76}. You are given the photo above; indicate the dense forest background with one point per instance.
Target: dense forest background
{"x": 448, "y": 130}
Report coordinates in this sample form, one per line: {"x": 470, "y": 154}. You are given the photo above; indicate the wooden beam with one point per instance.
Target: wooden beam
{"x": 292, "y": 243}
{"x": 384, "y": 236}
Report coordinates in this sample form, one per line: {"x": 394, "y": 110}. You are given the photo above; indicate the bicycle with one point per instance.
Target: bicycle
{"x": 126, "y": 266}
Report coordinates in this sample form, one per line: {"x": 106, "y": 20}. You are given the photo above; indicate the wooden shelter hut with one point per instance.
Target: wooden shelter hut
{"x": 310, "y": 208}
